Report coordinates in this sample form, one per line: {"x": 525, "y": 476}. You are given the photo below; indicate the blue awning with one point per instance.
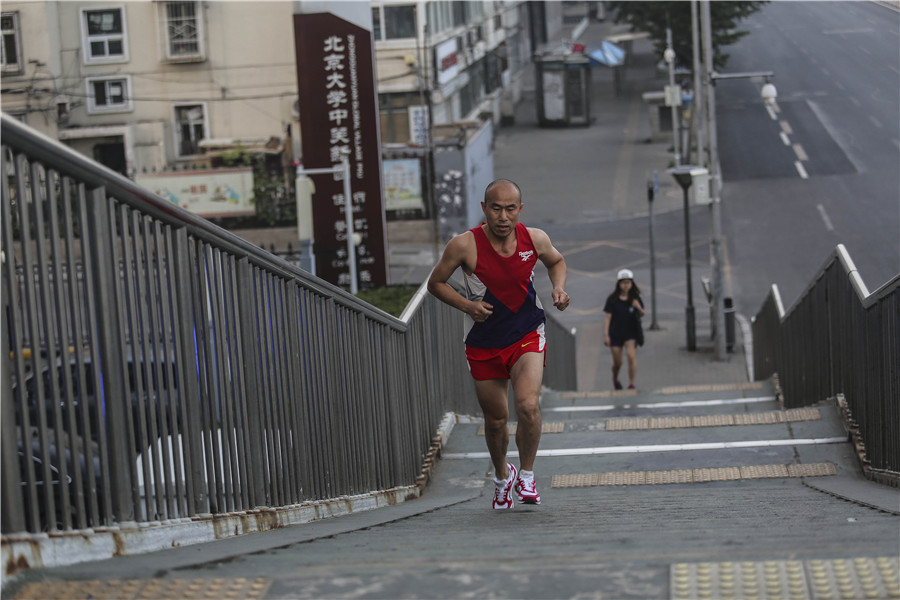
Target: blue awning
{"x": 608, "y": 54}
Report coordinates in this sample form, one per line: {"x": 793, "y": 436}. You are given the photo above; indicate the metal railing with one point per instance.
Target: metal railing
{"x": 838, "y": 339}
{"x": 183, "y": 371}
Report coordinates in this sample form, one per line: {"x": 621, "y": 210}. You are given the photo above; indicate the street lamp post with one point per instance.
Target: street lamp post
{"x": 684, "y": 175}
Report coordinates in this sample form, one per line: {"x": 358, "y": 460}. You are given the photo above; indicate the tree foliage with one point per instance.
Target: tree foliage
{"x": 655, "y": 17}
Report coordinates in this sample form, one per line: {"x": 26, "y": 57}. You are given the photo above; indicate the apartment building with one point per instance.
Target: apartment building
{"x": 152, "y": 88}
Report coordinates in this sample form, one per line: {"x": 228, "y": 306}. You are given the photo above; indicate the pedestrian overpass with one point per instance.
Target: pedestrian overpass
{"x": 169, "y": 383}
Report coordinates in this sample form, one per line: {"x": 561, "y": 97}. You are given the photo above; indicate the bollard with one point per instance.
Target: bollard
{"x": 729, "y": 324}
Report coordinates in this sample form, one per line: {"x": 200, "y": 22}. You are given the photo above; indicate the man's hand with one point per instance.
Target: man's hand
{"x": 560, "y": 299}
{"x": 480, "y": 311}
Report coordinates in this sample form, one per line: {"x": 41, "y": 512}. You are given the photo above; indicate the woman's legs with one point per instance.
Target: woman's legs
{"x": 616, "y": 364}
{"x": 631, "y": 353}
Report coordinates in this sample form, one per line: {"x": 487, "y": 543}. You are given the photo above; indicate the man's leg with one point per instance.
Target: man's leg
{"x": 493, "y": 398}
{"x": 526, "y": 376}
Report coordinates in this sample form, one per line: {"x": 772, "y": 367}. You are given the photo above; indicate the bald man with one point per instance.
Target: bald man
{"x": 505, "y": 342}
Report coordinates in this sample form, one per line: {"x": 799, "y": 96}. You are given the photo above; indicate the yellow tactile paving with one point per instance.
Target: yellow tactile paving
{"x": 761, "y": 418}
{"x": 703, "y": 475}
{"x": 842, "y": 578}
{"x": 149, "y": 589}
{"x": 556, "y": 427}
{"x": 600, "y": 394}
{"x": 714, "y": 387}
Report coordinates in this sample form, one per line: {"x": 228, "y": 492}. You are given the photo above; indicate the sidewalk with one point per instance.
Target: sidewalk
{"x": 586, "y": 186}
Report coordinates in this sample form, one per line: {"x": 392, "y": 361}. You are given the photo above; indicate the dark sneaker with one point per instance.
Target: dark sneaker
{"x": 617, "y": 384}
{"x": 503, "y": 494}
{"x": 526, "y": 490}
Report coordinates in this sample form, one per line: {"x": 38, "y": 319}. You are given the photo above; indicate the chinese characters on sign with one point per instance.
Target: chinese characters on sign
{"x": 208, "y": 193}
{"x": 338, "y": 114}
{"x": 403, "y": 184}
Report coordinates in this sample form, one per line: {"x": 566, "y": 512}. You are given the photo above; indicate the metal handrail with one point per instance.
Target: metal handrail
{"x": 185, "y": 372}
{"x": 839, "y": 340}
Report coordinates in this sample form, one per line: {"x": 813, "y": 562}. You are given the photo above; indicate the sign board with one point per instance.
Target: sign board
{"x": 418, "y": 125}
{"x": 339, "y": 111}
{"x": 208, "y": 193}
{"x": 446, "y": 59}
{"x": 403, "y": 184}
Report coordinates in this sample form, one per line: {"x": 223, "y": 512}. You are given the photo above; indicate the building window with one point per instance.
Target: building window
{"x": 184, "y": 31}
{"x": 103, "y": 35}
{"x": 394, "y": 112}
{"x": 190, "y": 129}
{"x": 394, "y": 22}
{"x": 109, "y": 94}
{"x": 11, "y": 54}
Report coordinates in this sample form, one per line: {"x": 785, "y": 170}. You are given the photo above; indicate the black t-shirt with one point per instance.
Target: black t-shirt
{"x": 622, "y": 325}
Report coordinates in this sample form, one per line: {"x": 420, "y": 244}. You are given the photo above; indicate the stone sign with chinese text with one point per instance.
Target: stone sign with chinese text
{"x": 338, "y": 112}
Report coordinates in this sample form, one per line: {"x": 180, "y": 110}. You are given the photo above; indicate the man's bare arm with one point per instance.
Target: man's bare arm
{"x": 556, "y": 266}
{"x": 454, "y": 257}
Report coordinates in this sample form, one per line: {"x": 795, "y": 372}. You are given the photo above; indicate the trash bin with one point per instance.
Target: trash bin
{"x": 729, "y": 324}
{"x": 563, "y": 81}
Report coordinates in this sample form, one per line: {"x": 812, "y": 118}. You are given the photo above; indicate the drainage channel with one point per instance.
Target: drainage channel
{"x": 697, "y": 475}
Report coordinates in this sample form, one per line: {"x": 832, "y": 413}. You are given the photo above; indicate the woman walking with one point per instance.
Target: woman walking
{"x": 622, "y": 326}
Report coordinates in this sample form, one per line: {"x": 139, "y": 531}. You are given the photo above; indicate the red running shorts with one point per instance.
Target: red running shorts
{"x": 495, "y": 363}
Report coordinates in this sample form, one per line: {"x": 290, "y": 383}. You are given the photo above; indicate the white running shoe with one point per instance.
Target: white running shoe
{"x": 503, "y": 494}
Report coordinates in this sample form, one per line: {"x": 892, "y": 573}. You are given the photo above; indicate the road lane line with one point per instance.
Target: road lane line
{"x": 799, "y": 166}
{"x": 785, "y": 139}
{"x": 800, "y": 152}
{"x": 651, "y": 448}
{"x": 876, "y": 122}
{"x": 855, "y": 102}
{"x": 772, "y": 110}
{"x": 824, "y": 215}
{"x": 786, "y": 127}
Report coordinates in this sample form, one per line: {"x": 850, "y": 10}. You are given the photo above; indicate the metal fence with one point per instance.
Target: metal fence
{"x": 838, "y": 339}
{"x": 160, "y": 367}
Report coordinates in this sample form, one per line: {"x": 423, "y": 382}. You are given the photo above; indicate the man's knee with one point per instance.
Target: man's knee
{"x": 494, "y": 423}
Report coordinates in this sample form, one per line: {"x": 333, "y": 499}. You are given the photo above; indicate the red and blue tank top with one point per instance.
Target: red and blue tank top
{"x": 507, "y": 283}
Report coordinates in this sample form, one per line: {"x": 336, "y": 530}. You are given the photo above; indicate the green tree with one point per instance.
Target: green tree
{"x": 654, "y": 17}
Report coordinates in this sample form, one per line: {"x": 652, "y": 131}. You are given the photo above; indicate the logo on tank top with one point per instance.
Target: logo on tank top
{"x": 526, "y": 255}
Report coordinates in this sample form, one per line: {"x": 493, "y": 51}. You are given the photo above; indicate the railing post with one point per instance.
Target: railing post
{"x": 250, "y": 349}
{"x": 112, "y": 387}
{"x": 189, "y": 384}
{"x": 13, "y": 513}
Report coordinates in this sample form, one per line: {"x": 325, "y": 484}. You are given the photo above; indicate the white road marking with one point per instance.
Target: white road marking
{"x": 855, "y": 102}
{"x": 824, "y": 215}
{"x": 786, "y": 127}
{"x": 686, "y": 403}
{"x": 846, "y": 31}
{"x": 785, "y": 139}
{"x": 800, "y": 152}
{"x": 876, "y": 122}
{"x": 800, "y": 170}
{"x": 773, "y": 111}
{"x": 657, "y": 448}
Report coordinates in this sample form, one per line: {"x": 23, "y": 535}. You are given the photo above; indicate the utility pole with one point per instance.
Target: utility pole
{"x": 673, "y": 94}
{"x": 697, "y": 115}
{"x": 715, "y": 180}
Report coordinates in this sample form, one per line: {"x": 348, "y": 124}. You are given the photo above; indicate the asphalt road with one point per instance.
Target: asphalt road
{"x": 824, "y": 170}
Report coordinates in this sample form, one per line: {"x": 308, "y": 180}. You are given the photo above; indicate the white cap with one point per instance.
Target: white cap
{"x": 624, "y": 274}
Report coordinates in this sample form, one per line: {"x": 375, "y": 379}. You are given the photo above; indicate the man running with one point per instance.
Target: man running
{"x": 506, "y": 338}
